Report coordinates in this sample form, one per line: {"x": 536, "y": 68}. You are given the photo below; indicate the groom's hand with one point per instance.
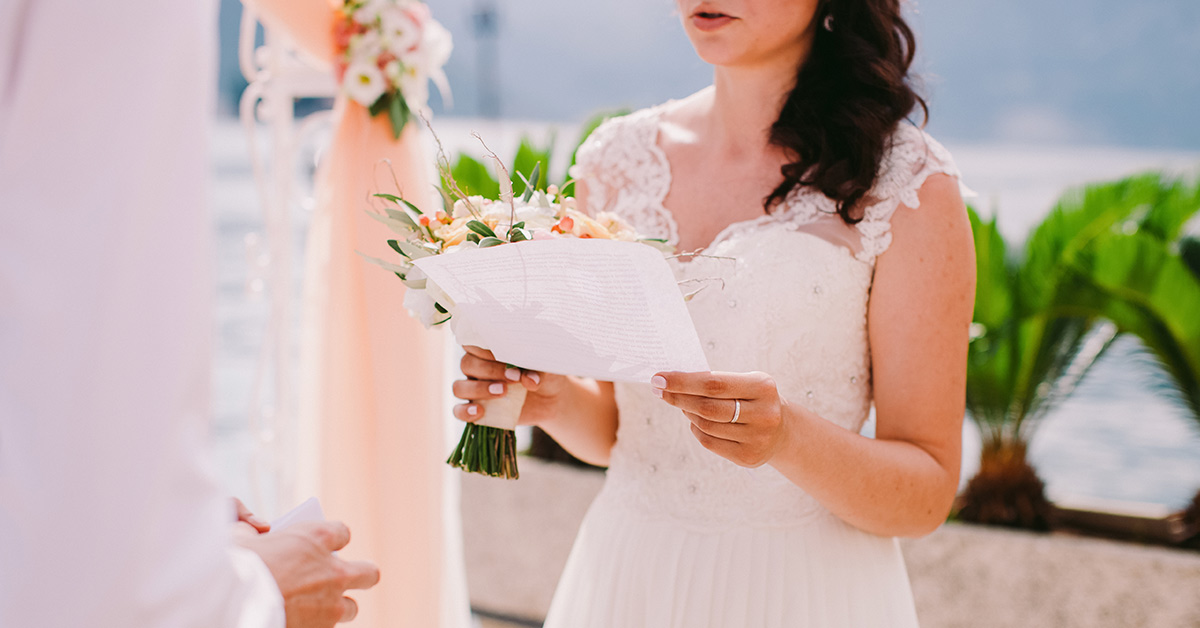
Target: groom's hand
{"x": 312, "y": 580}
{"x": 244, "y": 516}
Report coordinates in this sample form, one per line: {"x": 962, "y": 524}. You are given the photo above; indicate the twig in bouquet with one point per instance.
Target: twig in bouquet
{"x": 705, "y": 280}
{"x": 445, "y": 171}
{"x": 566, "y": 184}
{"x": 697, "y": 253}
{"x": 506, "y": 191}
{"x": 392, "y": 171}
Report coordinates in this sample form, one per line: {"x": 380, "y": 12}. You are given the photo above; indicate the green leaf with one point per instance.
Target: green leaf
{"x": 518, "y": 234}
{"x": 398, "y": 114}
{"x": 403, "y": 225}
{"x": 399, "y": 201}
{"x": 440, "y": 309}
{"x": 473, "y": 237}
{"x": 659, "y": 244}
{"x": 473, "y": 177}
{"x": 399, "y": 269}
{"x": 481, "y": 229}
{"x": 383, "y": 104}
{"x": 411, "y": 250}
{"x": 527, "y": 158}
{"x": 447, "y": 199}
{"x": 413, "y": 207}
{"x": 531, "y": 184}
{"x": 391, "y": 197}
{"x": 1189, "y": 251}
{"x": 491, "y": 241}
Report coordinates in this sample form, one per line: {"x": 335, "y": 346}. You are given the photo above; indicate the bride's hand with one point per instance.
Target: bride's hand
{"x": 489, "y": 379}
{"x": 712, "y": 400}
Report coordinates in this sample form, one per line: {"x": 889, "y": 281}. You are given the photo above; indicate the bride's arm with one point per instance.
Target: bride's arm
{"x": 582, "y": 418}
{"x": 903, "y": 481}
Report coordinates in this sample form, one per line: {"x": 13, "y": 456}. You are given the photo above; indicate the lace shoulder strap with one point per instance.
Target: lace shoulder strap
{"x": 626, "y": 172}
{"x": 911, "y": 159}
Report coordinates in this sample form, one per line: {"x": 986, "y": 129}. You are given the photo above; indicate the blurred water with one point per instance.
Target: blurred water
{"x": 1114, "y": 439}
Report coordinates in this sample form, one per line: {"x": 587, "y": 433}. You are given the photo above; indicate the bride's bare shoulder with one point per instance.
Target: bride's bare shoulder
{"x": 683, "y": 114}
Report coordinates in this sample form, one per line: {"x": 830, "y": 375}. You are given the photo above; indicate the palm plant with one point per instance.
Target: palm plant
{"x": 474, "y": 177}
{"x": 1032, "y": 343}
{"x": 1145, "y": 277}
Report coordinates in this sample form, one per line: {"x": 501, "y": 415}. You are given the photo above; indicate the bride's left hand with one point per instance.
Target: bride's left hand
{"x": 711, "y": 400}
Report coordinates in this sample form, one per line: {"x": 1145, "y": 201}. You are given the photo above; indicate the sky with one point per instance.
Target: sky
{"x": 1073, "y": 72}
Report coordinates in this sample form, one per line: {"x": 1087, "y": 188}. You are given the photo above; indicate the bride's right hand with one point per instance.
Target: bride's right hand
{"x": 489, "y": 379}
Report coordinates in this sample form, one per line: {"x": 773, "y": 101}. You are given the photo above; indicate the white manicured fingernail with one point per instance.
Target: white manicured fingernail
{"x": 496, "y": 388}
{"x": 512, "y": 374}
{"x": 472, "y": 410}
{"x": 658, "y": 381}
{"x": 537, "y": 379}
{"x": 657, "y": 392}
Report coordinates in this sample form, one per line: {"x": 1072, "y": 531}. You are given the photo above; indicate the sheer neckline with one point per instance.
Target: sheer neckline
{"x": 786, "y": 211}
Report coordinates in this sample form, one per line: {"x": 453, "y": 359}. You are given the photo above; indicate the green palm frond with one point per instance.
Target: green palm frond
{"x": 1041, "y": 317}
{"x": 1151, "y": 292}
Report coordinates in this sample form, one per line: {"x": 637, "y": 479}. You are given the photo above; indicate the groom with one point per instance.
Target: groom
{"x": 109, "y": 516}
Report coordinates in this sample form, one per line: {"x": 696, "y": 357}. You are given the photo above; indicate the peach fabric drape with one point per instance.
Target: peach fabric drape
{"x": 371, "y": 376}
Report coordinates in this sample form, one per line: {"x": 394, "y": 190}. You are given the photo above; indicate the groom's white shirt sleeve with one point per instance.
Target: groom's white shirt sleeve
{"x": 108, "y": 514}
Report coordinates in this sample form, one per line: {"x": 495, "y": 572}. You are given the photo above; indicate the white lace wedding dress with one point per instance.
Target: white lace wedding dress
{"x": 680, "y": 537}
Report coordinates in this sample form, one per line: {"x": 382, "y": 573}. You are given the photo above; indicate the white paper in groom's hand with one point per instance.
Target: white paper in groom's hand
{"x": 310, "y": 510}
{"x": 605, "y": 309}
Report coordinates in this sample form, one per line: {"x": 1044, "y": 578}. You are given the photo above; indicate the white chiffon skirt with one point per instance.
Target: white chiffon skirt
{"x": 628, "y": 571}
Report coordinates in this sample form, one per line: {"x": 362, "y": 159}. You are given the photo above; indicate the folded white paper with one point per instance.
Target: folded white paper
{"x": 310, "y": 510}
{"x": 605, "y": 309}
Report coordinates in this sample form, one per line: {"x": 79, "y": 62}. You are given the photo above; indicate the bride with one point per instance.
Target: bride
{"x": 839, "y": 271}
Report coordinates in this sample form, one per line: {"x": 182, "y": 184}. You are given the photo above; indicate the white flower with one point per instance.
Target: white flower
{"x": 364, "y": 83}
{"x": 466, "y": 245}
{"x": 415, "y": 87}
{"x": 536, "y": 217}
{"x": 400, "y": 31}
{"x": 419, "y": 303}
{"x": 365, "y": 47}
{"x": 461, "y": 210}
{"x": 370, "y": 11}
{"x": 432, "y": 54}
{"x": 436, "y": 46}
{"x": 394, "y": 71}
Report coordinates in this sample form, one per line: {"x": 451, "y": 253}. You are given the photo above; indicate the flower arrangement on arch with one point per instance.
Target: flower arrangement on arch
{"x": 388, "y": 52}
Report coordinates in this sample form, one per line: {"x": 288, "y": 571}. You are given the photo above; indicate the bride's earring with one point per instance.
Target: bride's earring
{"x": 829, "y": 22}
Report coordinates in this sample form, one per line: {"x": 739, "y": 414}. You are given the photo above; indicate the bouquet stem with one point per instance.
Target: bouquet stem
{"x": 491, "y": 451}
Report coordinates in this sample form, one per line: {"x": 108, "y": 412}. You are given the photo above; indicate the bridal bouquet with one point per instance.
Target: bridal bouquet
{"x": 388, "y": 51}
{"x": 470, "y": 222}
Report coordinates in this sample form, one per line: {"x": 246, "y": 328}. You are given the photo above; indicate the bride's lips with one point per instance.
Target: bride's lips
{"x": 708, "y": 21}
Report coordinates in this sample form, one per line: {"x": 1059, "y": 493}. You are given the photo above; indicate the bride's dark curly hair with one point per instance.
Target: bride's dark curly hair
{"x": 849, "y": 97}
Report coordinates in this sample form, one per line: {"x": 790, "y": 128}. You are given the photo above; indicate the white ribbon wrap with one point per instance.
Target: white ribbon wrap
{"x": 503, "y": 412}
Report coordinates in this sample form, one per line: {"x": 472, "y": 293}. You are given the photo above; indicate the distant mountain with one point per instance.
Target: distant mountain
{"x": 1070, "y": 71}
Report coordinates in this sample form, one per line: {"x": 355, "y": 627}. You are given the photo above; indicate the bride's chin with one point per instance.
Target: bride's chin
{"x": 714, "y": 52}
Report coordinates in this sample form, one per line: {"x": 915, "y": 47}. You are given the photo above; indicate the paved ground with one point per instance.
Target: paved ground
{"x": 495, "y": 623}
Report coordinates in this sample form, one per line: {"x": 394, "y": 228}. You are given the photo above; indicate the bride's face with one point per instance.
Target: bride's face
{"x": 749, "y": 32}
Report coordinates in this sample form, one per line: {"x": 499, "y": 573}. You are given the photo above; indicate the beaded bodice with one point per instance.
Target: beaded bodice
{"x": 785, "y": 293}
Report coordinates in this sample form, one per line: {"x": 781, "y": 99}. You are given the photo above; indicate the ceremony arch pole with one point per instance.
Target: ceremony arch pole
{"x": 277, "y": 78}
{"x": 362, "y": 425}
